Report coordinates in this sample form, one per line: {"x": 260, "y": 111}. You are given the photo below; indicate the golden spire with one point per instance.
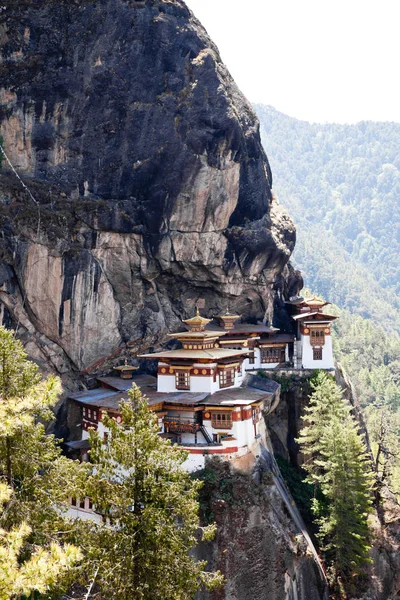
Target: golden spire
{"x": 197, "y": 323}
{"x": 126, "y": 370}
{"x": 228, "y": 320}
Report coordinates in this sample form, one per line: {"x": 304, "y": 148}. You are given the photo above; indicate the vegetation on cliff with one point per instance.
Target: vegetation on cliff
{"x": 337, "y": 465}
{"x": 341, "y": 184}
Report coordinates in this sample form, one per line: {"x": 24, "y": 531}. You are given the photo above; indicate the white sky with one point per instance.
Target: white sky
{"x": 318, "y": 60}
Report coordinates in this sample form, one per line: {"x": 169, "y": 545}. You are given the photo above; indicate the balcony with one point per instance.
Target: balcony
{"x": 174, "y": 425}
{"x": 218, "y": 423}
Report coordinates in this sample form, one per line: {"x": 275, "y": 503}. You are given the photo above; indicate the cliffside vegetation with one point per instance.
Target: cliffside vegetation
{"x": 338, "y": 467}
{"x": 35, "y": 480}
{"x": 150, "y": 512}
{"x": 141, "y": 548}
{"x": 341, "y": 184}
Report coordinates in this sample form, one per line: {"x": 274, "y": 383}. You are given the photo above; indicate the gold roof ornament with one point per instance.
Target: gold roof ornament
{"x": 228, "y": 320}
{"x": 315, "y": 302}
{"x": 125, "y": 370}
{"x": 197, "y": 323}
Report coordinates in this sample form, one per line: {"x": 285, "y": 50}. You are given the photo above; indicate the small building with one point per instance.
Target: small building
{"x": 267, "y": 347}
{"x": 313, "y": 347}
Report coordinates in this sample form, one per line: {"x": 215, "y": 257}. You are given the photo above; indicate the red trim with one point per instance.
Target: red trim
{"x": 212, "y": 451}
{"x": 246, "y": 414}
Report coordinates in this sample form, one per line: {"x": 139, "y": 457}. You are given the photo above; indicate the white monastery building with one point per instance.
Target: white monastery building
{"x": 207, "y": 396}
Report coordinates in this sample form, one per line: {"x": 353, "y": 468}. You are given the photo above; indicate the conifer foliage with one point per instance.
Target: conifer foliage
{"x": 34, "y": 479}
{"x": 40, "y": 571}
{"x": 142, "y": 550}
{"x": 337, "y": 464}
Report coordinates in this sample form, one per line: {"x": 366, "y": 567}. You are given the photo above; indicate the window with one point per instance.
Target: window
{"x": 221, "y": 420}
{"x": 182, "y": 380}
{"x": 272, "y": 355}
{"x": 84, "y": 411}
{"x": 82, "y": 503}
{"x": 317, "y": 337}
{"x": 251, "y": 359}
{"x": 226, "y": 378}
{"x": 317, "y": 353}
{"x": 73, "y": 501}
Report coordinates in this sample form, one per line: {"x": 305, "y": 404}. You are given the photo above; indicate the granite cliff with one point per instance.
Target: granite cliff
{"x": 149, "y": 186}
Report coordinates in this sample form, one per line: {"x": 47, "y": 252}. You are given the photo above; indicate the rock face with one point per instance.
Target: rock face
{"x": 149, "y": 186}
{"x": 258, "y": 548}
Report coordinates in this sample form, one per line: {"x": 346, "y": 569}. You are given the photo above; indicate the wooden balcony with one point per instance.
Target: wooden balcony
{"x": 221, "y": 423}
{"x": 174, "y": 425}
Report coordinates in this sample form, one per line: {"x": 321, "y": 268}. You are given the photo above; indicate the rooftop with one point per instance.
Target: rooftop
{"x": 110, "y": 399}
{"x": 197, "y": 335}
{"x": 211, "y": 354}
{"x": 197, "y": 323}
{"x": 282, "y": 338}
{"x": 244, "y": 328}
{"x": 321, "y": 316}
{"x": 236, "y": 396}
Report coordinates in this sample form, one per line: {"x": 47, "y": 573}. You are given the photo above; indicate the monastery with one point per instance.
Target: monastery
{"x": 207, "y": 395}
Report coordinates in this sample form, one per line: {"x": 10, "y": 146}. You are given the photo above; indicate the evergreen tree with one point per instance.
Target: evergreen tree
{"x": 149, "y": 505}
{"x": 21, "y": 576}
{"x": 36, "y": 477}
{"x": 337, "y": 464}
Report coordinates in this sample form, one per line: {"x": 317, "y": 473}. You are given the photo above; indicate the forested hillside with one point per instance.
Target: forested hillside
{"x": 341, "y": 184}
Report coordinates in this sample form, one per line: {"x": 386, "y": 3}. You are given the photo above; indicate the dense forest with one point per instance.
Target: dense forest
{"x": 341, "y": 184}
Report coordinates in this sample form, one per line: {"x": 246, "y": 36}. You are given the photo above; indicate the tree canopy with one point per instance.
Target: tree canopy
{"x": 143, "y": 548}
{"x": 341, "y": 185}
{"x": 35, "y": 480}
{"x": 337, "y": 465}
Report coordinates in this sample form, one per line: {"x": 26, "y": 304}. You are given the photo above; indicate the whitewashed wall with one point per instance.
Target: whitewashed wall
{"x": 308, "y": 361}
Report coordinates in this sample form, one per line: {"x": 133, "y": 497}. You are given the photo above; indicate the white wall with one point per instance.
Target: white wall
{"x": 308, "y": 361}
{"x": 257, "y": 362}
{"x": 243, "y": 431}
{"x": 194, "y": 462}
{"x": 167, "y": 383}
{"x": 85, "y": 514}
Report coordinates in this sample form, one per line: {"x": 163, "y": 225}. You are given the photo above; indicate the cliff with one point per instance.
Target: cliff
{"x": 149, "y": 187}
{"x": 258, "y": 547}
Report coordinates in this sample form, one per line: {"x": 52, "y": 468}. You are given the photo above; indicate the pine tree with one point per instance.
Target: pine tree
{"x": 337, "y": 464}
{"x": 38, "y": 479}
{"x": 39, "y": 572}
{"x": 150, "y": 512}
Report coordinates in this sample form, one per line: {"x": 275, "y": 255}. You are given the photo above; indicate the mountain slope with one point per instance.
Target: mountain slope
{"x": 341, "y": 184}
